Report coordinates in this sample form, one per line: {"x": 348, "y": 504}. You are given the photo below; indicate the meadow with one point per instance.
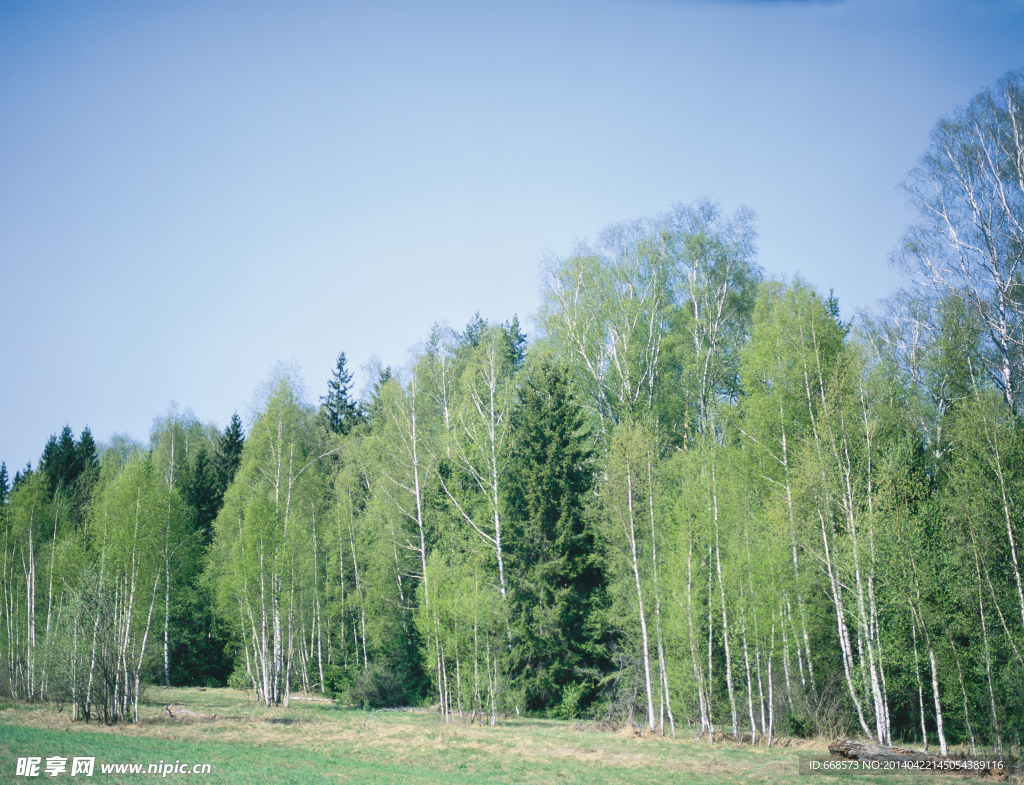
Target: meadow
{"x": 315, "y": 742}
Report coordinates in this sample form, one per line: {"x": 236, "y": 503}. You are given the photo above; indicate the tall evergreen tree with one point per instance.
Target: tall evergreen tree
{"x": 475, "y": 331}
{"x": 61, "y": 461}
{"x": 556, "y": 581}
{"x": 87, "y": 457}
{"x": 201, "y": 491}
{"x": 49, "y": 462}
{"x": 516, "y": 340}
{"x": 5, "y": 489}
{"x": 67, "y": 464}
{"x": 22, "y": 475}
{"x": 229, "y": 448}
{"x": 340, "y": 410}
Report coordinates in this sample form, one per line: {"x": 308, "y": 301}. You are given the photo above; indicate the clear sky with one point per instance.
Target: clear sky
{"x": 193, "y": 191}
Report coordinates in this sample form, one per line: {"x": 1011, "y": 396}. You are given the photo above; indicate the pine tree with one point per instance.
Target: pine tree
{"x": 5, "y": 489}
{"x": 201, "y": 491}
{"x": 49, "y": 462}
{"x": 229, "y": 448}
{"x": 66, "y": 468}
{"x": 22, "y": 475}
{"x": 475, "y": 331}
{"x": 87, "y": 457}
{"x": 516, "y": 340}
{"x": 556, "y": 581}
{"x": 339, "y": 410}
{"x": 60, "y": 461}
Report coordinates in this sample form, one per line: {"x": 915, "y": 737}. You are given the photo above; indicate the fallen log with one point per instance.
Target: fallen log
{"x": 908, "y": 760}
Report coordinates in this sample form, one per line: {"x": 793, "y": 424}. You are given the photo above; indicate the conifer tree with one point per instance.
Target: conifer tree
{"x": 22, "y": 475}
{"x": 87, "y": 455}
{"x": 556, "y": 581}
{"x": 200, "y": 490}
{"x": 340, "y": 411}
{"x": 229, "y": 448}
{"x": 475, "y": 331}
{"x": 516, "y": 340}
{"x": 49, "y": 462}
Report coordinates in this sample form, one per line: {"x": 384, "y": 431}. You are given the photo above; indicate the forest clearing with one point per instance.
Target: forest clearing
{"x": 317, "y": 741}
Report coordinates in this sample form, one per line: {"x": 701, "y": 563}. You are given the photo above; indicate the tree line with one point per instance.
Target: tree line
{"x": 698, "y": 500}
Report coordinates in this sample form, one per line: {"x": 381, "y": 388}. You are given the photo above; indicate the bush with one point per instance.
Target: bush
{"x": 800, "y": 727}
{"x": 240, "y": 680}
{"x": 337, "y": 680}
{"x": 378, "y": 687}
{"x": 570, "y": 706}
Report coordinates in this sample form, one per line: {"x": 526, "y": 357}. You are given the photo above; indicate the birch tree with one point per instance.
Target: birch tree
{"x": 969, "y": 242}
{"x": 260, "y": 536}
{"x": 477, "y": 443}
{"x": 604, "y": 309}
{"x": 712, "y": 279}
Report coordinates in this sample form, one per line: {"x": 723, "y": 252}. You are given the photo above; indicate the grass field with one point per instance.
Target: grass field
{"x": 320, "y": 742}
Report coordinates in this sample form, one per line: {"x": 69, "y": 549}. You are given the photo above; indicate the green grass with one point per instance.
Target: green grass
{"x": 320, "y": 743}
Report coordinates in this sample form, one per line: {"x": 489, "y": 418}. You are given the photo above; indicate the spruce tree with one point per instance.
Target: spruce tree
{"x": 475, "y": 331}
{"x": 201, "y": 491}
{"x": 5, "y": 489}
{"x": 340, "y": 411}
{"x": 67, "y": 463}
{"x": 22, "y": 476}
{"x": 49, "y": 462}
{"x": 556, "y": 583}
{"x": 229, "y": 448}
{"x": 87, "y": 455}
{"x": 60, "y": 461}
{"x": 516, "y": 342}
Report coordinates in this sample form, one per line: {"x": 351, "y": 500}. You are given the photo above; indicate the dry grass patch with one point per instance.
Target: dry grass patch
{"x": 516, "y": 750}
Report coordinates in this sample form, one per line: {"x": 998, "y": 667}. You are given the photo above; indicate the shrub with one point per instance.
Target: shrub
{"x": 378, "y": 687}
{"x": 240, "y": 680}
{"x": 337, "y": 680}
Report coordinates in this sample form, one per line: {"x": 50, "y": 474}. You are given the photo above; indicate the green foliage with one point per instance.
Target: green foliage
{"x": 966, "y": 246}
{"x": 337, "y": 680}
{"x": 229, "y": 452}
{"x": 572, "y": 694}
{"x": 557, "y": 586}
{"x": 705, "y": 495}
{"x": 341, "y": 412}
{"x": 379, "y": 686}
{"x": 240, "y": 680}
{"x": 200, "y": 490}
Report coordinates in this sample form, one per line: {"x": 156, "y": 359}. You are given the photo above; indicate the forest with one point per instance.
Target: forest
{"x": 698, "y": 500}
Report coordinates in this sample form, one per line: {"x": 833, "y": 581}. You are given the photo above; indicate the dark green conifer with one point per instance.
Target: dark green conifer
{"x": 49, "y": 462}
{"x": 22, "y": 476}
{"x": 229, "y": 448}
{"x": 201, "y": 491}
{"x": 556, "y": 585}
{"x": 341, "y": 412}
{"x": 87, "y": 455}
{"x": 475, "y": 331}
{"x": 516, "y": 340}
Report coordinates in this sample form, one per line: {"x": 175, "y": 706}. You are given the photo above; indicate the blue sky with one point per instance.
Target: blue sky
{"x": 193, "y": 191}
